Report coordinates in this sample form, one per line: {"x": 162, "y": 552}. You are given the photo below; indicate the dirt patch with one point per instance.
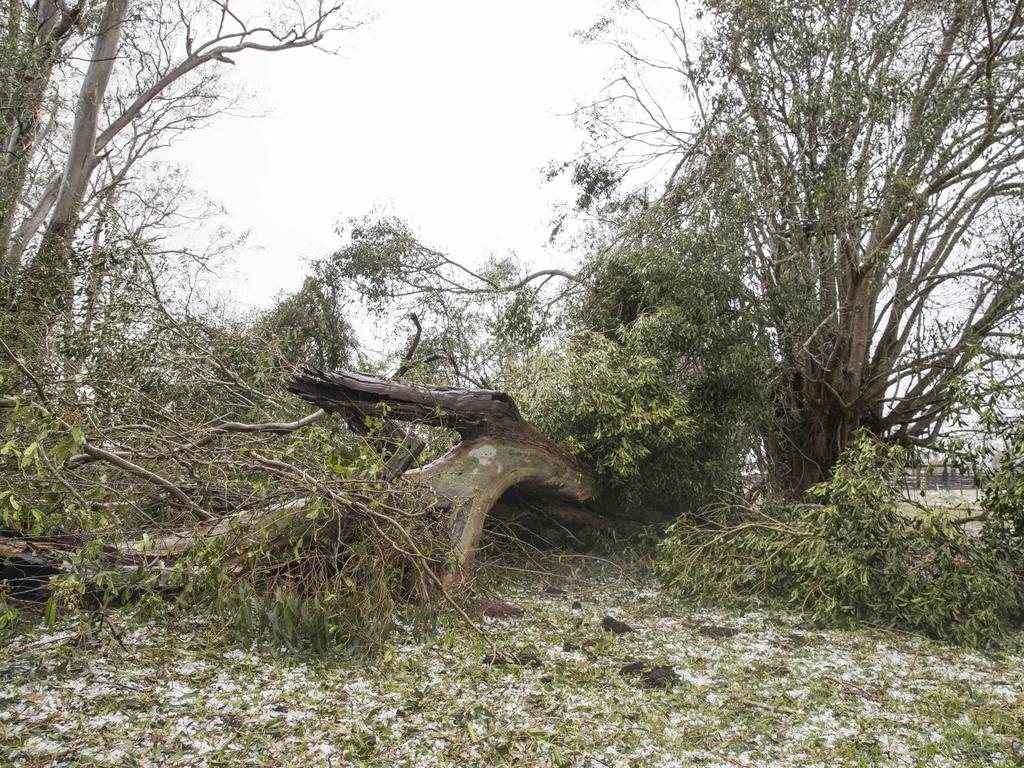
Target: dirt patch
{"x": 650, "y": 676}
{"x": 659, "y": 677}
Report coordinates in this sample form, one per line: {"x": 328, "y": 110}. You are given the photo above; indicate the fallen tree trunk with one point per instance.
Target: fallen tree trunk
{"x": 499, "y": 449}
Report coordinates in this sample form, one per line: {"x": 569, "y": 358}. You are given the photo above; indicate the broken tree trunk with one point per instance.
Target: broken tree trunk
{"x": 499, "y": 449}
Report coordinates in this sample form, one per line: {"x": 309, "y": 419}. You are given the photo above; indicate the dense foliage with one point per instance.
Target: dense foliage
{"x": 173, "y": 466}
{"x": 863, "y": 553}
{"x": 309, "y": 326}
{"x": 659, "y": 387}
{"x": 860, "y": 163}
{"x": 611, "y": 404}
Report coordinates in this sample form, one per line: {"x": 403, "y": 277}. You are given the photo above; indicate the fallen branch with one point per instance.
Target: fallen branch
{"x": 499, "y": 449}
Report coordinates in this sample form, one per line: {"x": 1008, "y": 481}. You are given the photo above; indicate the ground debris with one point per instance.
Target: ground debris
{"x": 711, "y": 630}
{"x": 651, "y": 675}
{"x": 615, "y": 626}
{"x": 189, "y": 695}
{"x": 659, "y": 677}
{"x": 495, "y": 609}
{"x": 632, "y": 668}
{"x": 521, "y": 659}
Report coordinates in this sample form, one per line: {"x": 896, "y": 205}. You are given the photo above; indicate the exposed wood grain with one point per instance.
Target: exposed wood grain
{"x": 499, "y": 449}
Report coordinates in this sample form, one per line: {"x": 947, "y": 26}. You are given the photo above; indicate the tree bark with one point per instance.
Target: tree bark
{"x": 499, "y": 449}
{"x": 49, "y": 280}
{"x": 476, "y": 472}
{"x": 33, "y": 48}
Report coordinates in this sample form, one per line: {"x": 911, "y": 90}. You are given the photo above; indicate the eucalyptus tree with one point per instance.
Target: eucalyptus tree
{"x": 310, "y": 325}
{"x": 859, "y": 166}
{"x": 35, "y": 41}
{"x": 144, "y": 72}
{"x": 477, "y": 323}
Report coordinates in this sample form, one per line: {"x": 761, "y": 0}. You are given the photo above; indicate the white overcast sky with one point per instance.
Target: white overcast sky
{"x": 444, "y": 112}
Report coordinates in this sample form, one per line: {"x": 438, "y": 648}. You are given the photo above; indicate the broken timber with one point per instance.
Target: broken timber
{"x": 498, "y": 450}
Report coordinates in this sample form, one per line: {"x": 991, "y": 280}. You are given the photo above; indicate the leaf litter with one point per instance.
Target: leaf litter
{"x": 773, "y": 690}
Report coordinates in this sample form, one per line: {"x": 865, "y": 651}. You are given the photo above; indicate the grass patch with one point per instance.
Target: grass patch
{"x": 778, "y": 691}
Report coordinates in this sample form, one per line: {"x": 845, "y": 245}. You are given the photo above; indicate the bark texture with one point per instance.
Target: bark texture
{"x": 49, "y": 280}
{"x": 499, "y": 449}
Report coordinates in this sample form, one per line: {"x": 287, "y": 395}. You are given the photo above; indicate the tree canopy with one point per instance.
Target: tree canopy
{"x": 858, "y": 166}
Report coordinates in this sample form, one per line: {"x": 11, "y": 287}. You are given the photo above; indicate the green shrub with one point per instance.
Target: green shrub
{"x": 663, "y": 381}
{"x": 1002, "y": 498}
{"x": 612, "y": 405}
{"x": 859, "y": 555}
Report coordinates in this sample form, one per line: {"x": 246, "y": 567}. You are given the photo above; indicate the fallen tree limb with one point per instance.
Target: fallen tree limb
{"x": 499, "y": 449}
{"x": 218, "y": 430}
{"x": 134, "y": 469}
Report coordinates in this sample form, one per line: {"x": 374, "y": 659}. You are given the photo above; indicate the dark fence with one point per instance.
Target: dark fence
{"x": 940, "y": 478}
{"x": 931, "y": 478}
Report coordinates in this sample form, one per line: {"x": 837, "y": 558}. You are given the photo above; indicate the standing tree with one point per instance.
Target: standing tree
{"x": 310, "y": 324}
{"x": 150, "y": 73}
{"x": 859, "y": 165}
{"x": 34, "y": 40}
